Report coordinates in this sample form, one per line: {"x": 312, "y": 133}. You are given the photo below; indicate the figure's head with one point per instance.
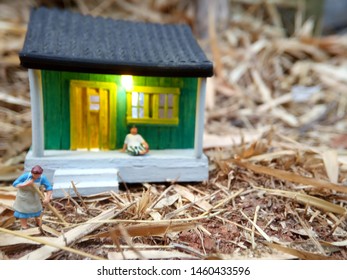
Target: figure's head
{"x": 133, "y": 130}
{"x": 36, "y": 171}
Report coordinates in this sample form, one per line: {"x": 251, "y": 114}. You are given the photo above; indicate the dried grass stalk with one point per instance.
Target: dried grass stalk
{"x": 262, "y": 233}
{"x": 150, "y": 254}
{"x": 184, "y": 192}
{"x": 331, "y": 165}
{"x": 285, "y": 175}
{"x": 153, "y": 229}
{"x": 308, "y": 200}
{"x": 303, "y": 255}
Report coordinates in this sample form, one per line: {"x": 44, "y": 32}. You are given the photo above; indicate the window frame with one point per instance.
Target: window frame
{"x": 151, "y": 105}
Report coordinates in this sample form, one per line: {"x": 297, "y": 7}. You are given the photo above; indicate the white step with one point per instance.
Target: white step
{"x": 87, "y": 181}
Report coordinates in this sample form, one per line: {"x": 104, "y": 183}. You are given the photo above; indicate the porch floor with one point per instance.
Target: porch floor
{"x": 156, "y": 166}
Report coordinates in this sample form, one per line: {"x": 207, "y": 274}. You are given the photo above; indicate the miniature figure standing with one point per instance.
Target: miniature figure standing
{"x": 28, "y": 204}
{"x": 134, "y": 143}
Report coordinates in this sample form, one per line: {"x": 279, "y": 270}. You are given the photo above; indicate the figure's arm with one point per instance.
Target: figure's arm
{"x": 145, "y": 144}
{"x": 22, "y": 181}
{"x": 26, "y": 183}
{"x": 124, "y": 147}
{"x": 48, "y": 197}
{"x": 48, "y": 188}
{"x": 126, "y": 140}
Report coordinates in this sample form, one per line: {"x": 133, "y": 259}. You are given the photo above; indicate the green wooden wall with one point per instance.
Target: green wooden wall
{"x": 56, "y": 87}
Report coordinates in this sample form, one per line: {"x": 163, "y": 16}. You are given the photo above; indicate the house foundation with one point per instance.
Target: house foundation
{"x": 82, "y": 168}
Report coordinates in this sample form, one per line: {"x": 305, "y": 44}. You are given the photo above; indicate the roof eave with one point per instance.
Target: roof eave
{"x": 100, "y": 67}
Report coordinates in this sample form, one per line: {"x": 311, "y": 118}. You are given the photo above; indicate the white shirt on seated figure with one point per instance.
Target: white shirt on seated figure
{"x": 133, "y": 140}
{"x": 134, "y": 143}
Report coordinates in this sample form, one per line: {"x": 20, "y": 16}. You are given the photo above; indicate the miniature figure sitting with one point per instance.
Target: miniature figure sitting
{"x": 27, "y": 203}
{"x": 134, "y": 144}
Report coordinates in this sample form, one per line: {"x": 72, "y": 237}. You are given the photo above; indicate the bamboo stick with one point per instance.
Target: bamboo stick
{"x": 51, "y": 207}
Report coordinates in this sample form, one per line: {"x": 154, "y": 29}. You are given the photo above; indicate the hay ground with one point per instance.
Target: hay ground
{"x": 275, "y": 135}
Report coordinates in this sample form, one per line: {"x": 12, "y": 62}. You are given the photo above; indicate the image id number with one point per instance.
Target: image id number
{"x": 236, "y": 270}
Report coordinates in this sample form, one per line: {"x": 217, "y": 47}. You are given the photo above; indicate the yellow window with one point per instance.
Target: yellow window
{"x": 153, "y": 105}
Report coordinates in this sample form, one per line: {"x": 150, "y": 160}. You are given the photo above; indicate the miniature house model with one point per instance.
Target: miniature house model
{"x": 92, "y": 79}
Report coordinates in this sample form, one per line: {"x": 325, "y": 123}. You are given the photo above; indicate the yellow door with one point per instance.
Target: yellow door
{"x": 91, "y": 115}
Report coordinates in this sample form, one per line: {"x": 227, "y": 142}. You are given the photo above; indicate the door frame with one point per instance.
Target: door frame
{"x": 75, "y": 87}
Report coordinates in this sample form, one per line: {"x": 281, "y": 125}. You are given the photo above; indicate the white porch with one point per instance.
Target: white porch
{"x": 157, "y": 166}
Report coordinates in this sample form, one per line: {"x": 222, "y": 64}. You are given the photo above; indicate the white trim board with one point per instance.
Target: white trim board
{"x": 157, "y": 166}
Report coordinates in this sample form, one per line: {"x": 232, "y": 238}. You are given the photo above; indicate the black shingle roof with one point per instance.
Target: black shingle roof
{"x": 68, "y": 41}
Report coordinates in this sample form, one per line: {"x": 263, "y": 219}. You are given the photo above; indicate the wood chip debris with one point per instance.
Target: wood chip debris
{"x": 275, "y": 135}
